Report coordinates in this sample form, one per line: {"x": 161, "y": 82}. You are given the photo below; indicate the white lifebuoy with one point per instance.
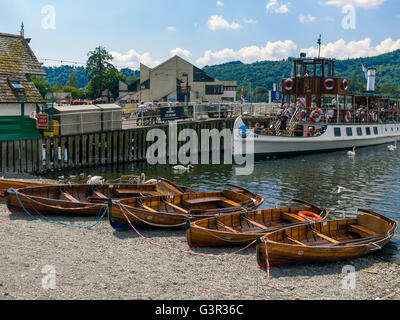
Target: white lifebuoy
{"x": 329, "y": 84}
{"x": 348, "y": 117}
{"x": 375, "y": 116}
{"x": 289, "y": 84}
{"x": 345, "y": 84}
{"x": 313, "y": 114}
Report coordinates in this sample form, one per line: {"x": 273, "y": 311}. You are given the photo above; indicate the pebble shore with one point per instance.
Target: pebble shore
{"x": 102, "y": 263}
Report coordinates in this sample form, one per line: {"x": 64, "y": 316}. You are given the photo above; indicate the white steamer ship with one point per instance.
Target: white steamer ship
{"x": 319, "y": 113}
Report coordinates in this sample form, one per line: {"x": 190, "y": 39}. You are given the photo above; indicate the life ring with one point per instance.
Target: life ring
{"x": 345, "y": 84}
{"x": 375, "y": 116}
{"x": 309, "y": 215}
{"x": 348, "y": 117}
{"x": 289, "y": 84}
{"x": 315, "y": 116}
{"x": 329, "y": 84}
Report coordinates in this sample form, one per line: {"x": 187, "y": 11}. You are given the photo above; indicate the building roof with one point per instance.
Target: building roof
{"x": 58, "y": 95}
{"x": 18, "y": 62}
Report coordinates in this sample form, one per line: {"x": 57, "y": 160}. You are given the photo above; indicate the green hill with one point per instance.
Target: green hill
{"x": 262, "y": 75}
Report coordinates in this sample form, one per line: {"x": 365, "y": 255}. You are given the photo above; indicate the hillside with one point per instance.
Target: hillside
{"x": 263, "y": 74}
{"x": 62, "y": 73}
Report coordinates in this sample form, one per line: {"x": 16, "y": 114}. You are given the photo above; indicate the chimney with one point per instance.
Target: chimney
{"x": 371, "y": 74}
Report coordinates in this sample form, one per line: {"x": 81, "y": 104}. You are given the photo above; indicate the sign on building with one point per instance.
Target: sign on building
{"x": 42, "y": 121}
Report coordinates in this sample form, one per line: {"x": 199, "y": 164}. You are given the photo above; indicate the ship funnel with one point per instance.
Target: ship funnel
{"x": 371, "y": 75}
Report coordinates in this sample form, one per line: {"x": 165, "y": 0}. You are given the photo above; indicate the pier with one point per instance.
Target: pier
{"x": 63, "y": 153}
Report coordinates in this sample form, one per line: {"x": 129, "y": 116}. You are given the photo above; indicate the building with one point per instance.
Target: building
{"x": 19, "y": 98}
{"x": 59, "y": 97}
{"x": 167, "y": 83}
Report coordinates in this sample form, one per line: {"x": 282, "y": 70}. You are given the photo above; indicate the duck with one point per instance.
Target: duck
{"x": 182, "y": 168}
{"x": 393, "y": 147}
{"x": 352, "y": 153}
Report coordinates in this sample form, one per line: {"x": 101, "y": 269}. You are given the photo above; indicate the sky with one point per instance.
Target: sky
{"x": 205, "y": 32}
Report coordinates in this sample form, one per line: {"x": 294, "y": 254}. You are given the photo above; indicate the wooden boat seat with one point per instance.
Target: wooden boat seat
{"x": 325, "y": 237}
{"x": 121, "y": 192}
{"x": 254, "y": 223}
{"x": 362, "y": 231}
{"x": 227, "y": 228}
{"x": 204, "y": 200}
{"x": 176, "y": 207}
{"x": 99, "y": 195}
{"x": 68, "y": 196}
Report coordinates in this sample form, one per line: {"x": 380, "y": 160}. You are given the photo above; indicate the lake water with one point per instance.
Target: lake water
{"x": 370, "y": 180}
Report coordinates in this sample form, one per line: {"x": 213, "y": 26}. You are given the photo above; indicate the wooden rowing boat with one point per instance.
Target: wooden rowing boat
{"x": 83, "y": 200}
{"x": 327, "y": 241}
{"x": 242, "y": 228}
{"x": 6, "y": 184}
{"x": 174, "y": 211}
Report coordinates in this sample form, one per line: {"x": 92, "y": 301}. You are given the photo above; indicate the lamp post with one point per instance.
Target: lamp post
{"x": 187, "y": 87}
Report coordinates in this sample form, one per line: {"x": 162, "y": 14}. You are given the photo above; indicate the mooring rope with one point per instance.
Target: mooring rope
{"x": 179, "y": 250}
{"x": 56, "y": 222}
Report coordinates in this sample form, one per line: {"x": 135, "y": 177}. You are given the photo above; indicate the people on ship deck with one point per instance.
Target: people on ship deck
{"x": 257, "y": 129}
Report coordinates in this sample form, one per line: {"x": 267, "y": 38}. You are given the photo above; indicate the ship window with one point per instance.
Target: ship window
{"x": 338, "y": 132}
{"x": 349, "y": 132}
{"x": 375, "y": 130}
{"x": 359, "y": 132}
{"x": 368, "y": 130}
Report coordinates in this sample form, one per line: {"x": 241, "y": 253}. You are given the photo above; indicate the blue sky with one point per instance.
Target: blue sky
{"x": 203, "y": 31}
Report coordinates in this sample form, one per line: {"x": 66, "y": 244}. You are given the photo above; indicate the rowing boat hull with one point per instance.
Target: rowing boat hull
{"x": 76, "y": 199}
{"x": 272, "y": 252}
{"x": 242, "y": 228}
{"x": 148, "y": 211}
{"x": 16, "y": 184}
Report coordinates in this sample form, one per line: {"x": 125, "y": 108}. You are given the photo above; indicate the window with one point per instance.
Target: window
{"x": 213, "y": 90}
{"x": 16, "y": 85}
{"x": 359, "y": 132}
{"x": 368, "y": 131}
{"x": 349, "y": 132}
{"x": 375, "y": 130}
{"x": 338, "y": 132}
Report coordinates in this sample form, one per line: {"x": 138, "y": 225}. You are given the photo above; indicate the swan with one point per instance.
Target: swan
{"x": 340, "y": 189}
{"x": 96, "y": 180}
{"x": 352, "y": 153}
{"x": 393, "y": 147}
{"x": 182, "y": 168}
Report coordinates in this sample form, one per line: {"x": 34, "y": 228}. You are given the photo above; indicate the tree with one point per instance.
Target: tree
{"x": 99, "y": 70}
{"x": 75, "y": 92}
{"x": 42, "y": 85}
{"x": 72, "y": 80}
{"x": 57, "y": 87}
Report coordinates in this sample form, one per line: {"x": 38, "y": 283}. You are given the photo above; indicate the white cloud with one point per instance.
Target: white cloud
{"x": 181, "y": 52}
{"x": 171, "y": 28}
{"x": 366, "y": 4}
{"x": 277, "y": 7}
{"x": 132, "y": 59}
{"x": 250, "y": 21}
{"x": 218, "y": 22}
{"x": 354, "y": 49}
{"x": 271, "y": 51}
{"x": 220, "y": 3}
{"x": 305, "y": 19}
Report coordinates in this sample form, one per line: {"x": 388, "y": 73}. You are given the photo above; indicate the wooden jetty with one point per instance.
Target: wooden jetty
{"x": 63, "y": 153}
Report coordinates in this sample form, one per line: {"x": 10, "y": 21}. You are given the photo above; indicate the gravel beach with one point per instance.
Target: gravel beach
{"x": 102, "y": 263}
